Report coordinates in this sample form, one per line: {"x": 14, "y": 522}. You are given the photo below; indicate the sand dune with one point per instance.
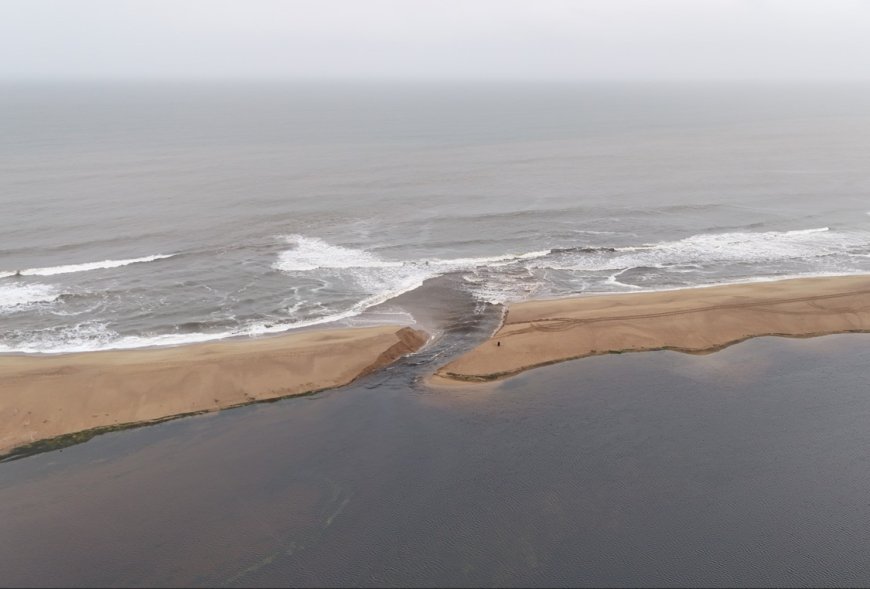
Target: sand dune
{"x": 44, "y": 397}
{"x": 694, "y": 320}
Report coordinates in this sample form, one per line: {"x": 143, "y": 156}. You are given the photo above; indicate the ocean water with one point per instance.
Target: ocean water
{"x": 148, "y": 214}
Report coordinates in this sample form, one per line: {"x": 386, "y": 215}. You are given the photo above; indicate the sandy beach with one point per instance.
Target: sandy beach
{"x": 42, "y": 397}
{"x": 48, "y": 396}
{"x": 695, "y": 320}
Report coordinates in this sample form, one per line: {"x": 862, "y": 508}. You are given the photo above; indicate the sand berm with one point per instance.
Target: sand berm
{"x": 695, "y": 320}
{"x": 44, "y": 397}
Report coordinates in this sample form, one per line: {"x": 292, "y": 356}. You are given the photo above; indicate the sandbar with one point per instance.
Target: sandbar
{"x": 693, "y": 320}
{"x": 47, "y": 396}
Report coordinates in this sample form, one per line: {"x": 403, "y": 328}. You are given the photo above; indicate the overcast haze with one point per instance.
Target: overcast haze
{"x": 484, "y": 39}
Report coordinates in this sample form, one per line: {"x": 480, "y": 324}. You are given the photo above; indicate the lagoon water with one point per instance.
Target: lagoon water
{"x": 744, "y": 467}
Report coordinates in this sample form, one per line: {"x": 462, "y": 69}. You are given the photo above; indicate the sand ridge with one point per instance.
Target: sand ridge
{"x": 47, "y": 396}
{"x": 694, "y": 320}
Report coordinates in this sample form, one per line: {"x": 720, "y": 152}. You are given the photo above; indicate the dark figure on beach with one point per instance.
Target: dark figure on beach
{"x": 498, "y": 344}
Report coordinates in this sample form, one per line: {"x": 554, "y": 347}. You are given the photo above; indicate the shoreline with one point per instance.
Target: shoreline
{"x": 47, "y": 397}
{"x": 694, "y": 320}
{"x": 46, "y": 400}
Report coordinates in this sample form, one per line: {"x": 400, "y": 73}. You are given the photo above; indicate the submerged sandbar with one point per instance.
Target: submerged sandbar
{"x": 693, "y": 320}
{"x": 47, "y": 396}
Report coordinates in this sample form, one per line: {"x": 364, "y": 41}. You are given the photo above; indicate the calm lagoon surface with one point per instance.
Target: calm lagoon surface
{"x": 748, "y": 466}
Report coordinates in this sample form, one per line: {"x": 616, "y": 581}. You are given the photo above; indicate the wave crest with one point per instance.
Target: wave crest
{"x": 86, "y": 267}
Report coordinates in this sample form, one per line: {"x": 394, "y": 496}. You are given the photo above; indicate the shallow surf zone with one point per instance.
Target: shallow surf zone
{"x": 696, "y": 260}
{"x": 378, "y": 279}
{"x": 288, "y": 282}
{"x": 709, "y": 258}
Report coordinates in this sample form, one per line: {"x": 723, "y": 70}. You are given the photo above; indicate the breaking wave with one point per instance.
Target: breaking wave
{"x": 712, "y": 248}
{"x": 14, "y": 297}
{"x": 71, "y": 268}
{"x": 348, "y": 281}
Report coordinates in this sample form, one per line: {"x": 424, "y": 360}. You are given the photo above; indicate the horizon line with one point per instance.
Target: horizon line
{"x": 428, "y": 80}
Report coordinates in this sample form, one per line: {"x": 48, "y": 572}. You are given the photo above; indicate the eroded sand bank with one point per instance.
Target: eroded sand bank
{"x": 693, "y": 320}
{"x": 48, "y": 396}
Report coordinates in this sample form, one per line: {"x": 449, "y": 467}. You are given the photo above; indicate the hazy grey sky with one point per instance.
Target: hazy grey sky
{"x": 533, "y": 39}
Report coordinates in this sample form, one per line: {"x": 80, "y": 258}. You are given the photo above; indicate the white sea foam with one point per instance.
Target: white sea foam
{"x": 95, "y": 336}
{"x": 85, "y": 336}
{"x": 382, "y": 280}
{"x": 492, "y": 261}
{"x": 353, "y": 311}
{"x": 751, "y": 280}
{"x": 71, "y": 268}
{"x": 377, "y": 280}
{"x": 311, "y": 253}
{"x": 806, "y": 231}
{"x": 91, "y": 336}
{"x": 613, "y": 280}
{"x": 499, "y": 289}
{"x": 717, "y": 248}
{"x": 14, "y": 297}
{"x": 292, "y": 309}
{"x": 371, "y": 280}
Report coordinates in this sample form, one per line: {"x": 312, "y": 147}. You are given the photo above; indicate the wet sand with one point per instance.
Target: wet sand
{"x": 45, "y": 397}
{"x": 695, "y": 320}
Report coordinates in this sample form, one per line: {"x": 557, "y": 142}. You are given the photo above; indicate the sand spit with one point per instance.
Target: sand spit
{"x": 43, "y": 397}
{"x": 695, "y": 320}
